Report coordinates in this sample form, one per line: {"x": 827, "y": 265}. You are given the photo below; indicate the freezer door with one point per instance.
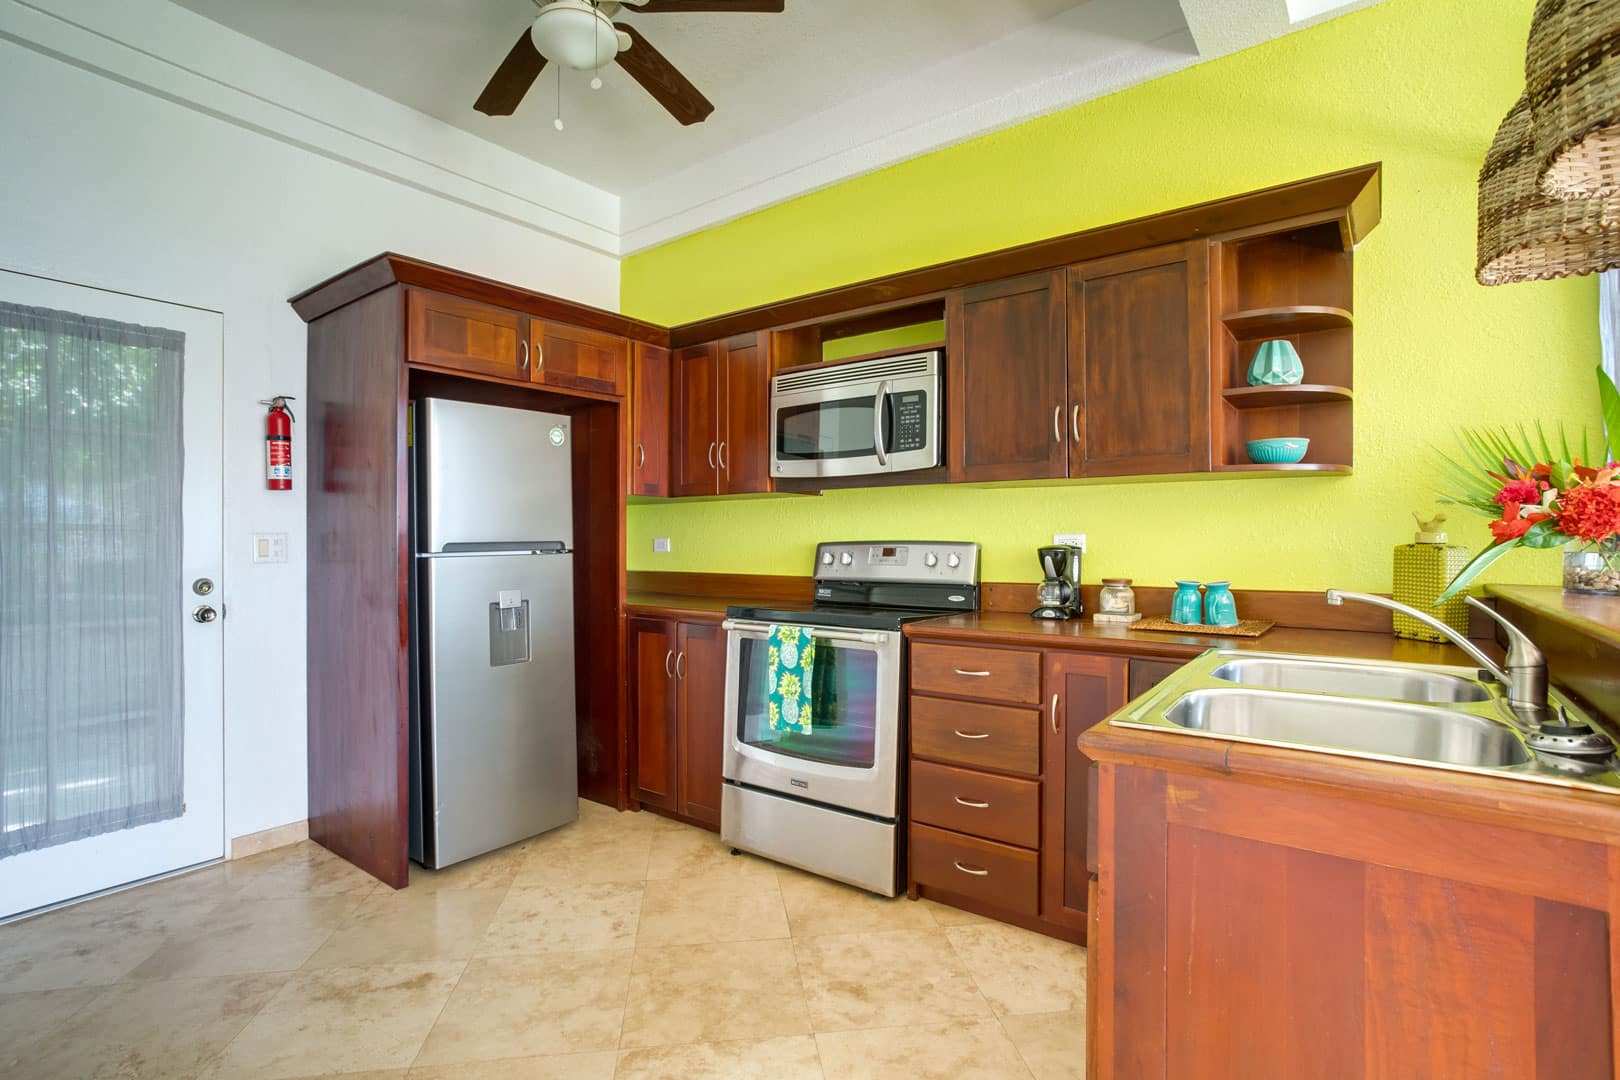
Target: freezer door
{"x": 498, "y": 701}
{"x": 492, "y": 475}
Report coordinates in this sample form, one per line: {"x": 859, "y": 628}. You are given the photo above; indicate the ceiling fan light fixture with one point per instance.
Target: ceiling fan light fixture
{"x": 575, "y": 34}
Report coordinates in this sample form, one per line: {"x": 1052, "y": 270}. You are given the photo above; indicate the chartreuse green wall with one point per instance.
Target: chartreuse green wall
{"x": 1419, "y": 85}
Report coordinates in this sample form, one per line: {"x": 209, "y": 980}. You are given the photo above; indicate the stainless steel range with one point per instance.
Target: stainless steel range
{"x": 828, "y": 800}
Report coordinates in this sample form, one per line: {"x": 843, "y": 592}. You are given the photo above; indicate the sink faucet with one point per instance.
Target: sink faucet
{"x": 1524, "y": 674}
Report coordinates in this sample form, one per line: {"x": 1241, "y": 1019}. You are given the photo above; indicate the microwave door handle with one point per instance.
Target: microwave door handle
{"x": 878, "y": 405}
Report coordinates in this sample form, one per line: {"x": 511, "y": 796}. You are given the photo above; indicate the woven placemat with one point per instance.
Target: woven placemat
{"x": 1245, "y": 628}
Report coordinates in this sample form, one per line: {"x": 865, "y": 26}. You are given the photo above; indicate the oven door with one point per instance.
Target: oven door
{"x": 851, "y": 757}
{"x": 856, "y": 428}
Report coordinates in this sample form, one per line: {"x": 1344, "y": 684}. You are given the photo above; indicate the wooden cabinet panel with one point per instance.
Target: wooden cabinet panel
{"x": 1139, "y": 362}
{"x": 745, "y": 439}
{"x": 1007, "y": 390}
{"x": 702, "y": 687}
{"x": 978, "y": 736}
{"x": 653, "y": 706}
{"x": 649, "y": 420}
{"x": 977, "y": 803}
{"x": 967, "y": 671}
{"x": 984, "y": 870}
{"x": 1082, "y": 690}
{"x": 1146, "y": 674}
{"x": 695, "y": 421}
{"x": 574, "y": 358}
{"x": 448, "y": 331}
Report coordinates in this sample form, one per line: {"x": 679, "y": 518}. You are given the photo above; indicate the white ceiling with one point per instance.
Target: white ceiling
{"x": 826, "y": 90}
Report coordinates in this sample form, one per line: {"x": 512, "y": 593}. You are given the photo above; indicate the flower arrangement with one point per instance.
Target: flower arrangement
{"x": 1540, "y": 493}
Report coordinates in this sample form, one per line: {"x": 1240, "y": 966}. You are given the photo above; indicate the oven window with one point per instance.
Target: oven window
{"x": 843, "y": 701}
{"x": 825, "y": 430}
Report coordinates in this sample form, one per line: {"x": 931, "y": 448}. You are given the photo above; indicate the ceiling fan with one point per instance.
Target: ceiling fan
{"x": 581, "y": 34}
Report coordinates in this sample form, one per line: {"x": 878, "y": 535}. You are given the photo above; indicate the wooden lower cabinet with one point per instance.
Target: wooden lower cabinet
{"x": 1256, "y": 928}
{"x": 999, "y": 795}
{"x": 677, "y": 709}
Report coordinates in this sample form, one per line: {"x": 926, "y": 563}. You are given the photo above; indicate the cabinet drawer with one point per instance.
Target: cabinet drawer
{"x": 979, "y": 736}
{"x": 966, "y": 671}
{"x": 976, "y": 803}
{"x": 984, "y": 870}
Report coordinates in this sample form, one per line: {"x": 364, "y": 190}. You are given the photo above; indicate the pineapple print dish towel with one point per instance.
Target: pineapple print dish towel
{"x": 790, "y": 659}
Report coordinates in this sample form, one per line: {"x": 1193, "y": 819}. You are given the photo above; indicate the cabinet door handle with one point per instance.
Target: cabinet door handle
{"x": 523, "y": 360}
{"x": 1054, "y": 714}
{"x": 976, "y": 735}
{"x": 1074, "y": 422}
{"x": 972, "y": 674}
{"x": 974, "y": 870}
{"x": 680, "y": 665}
{"x": 711, "y": 455}
{"x": 539, "y": 357}
{"x": 971, "y": 802}
{"x": 669, "y": 672}
{"x": 641, "y": 456}
{"x": 1057, "y": 422}
{"x": 723, "y": 464}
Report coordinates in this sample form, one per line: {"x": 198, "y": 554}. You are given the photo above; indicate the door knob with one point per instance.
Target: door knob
{"x": 204, "y": 613}
{"x": 202, "y": 586}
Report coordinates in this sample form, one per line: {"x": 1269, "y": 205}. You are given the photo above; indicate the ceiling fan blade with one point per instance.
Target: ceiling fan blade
{"x": 660, "y": 78}
{"x": 512, "y": 79}
{"x": 666, "y": 7}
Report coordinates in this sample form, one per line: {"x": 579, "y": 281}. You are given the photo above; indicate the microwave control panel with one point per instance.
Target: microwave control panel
{"x": 910, "y": 421}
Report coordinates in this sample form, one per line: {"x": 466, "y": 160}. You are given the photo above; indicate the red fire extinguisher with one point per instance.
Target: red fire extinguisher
{"x": 278, "y": 443}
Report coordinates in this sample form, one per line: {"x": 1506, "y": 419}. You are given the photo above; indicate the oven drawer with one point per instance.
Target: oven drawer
{"x": 1007, "y": 877}
{"x": 978, "y": 736}
{"x": 994, "y": 807}
{"x": 965, "y": 671}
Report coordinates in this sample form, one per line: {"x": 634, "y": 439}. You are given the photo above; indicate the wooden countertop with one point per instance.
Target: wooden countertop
{"x": 676, "y": 606}
{"x": 1014, "y": 628}
{"x": 1593, "y": 615}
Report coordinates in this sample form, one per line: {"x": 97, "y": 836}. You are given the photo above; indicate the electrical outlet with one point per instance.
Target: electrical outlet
{"x": 661, "y": 545}
{"x": 1071, "y": 539}
{"x": 269, "y": 547}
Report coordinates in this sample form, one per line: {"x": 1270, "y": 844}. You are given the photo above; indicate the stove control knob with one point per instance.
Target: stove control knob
{"x": 826, "y": 558}
{"x": 953, "y": 561}
{"x": 930, "y": 559}
{"x": 846, "y": 558}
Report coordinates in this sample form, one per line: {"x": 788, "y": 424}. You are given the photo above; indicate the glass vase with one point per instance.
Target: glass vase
{"x": 1593, "y": 567}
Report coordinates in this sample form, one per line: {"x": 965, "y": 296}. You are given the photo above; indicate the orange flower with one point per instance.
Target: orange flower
{"x": 1514, "y": 522}
{"x": 1588, "y": 513}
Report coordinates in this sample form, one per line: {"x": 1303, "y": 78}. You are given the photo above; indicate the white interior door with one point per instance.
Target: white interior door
{"x": 111, "y": 712}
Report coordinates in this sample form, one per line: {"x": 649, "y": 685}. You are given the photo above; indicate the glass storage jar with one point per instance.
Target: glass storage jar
{"x": 1117, "y": 597}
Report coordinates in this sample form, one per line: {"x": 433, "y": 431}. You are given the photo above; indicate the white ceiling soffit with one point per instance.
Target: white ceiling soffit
{"x": 163, "y": 49}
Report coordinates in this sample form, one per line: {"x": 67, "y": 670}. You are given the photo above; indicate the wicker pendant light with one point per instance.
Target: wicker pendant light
{"x": 1572, "y": 74}
{"x": 1523, "y": 234}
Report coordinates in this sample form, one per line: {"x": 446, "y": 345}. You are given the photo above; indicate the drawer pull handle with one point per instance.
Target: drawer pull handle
{"x": 971, "y": 802}
{"x": 975, "y": 871}
{"x": 978, "y": 735}
{"x": 972, "y": 674}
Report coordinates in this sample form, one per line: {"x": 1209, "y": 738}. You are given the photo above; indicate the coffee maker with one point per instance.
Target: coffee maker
{"x": 1059, "y": 593}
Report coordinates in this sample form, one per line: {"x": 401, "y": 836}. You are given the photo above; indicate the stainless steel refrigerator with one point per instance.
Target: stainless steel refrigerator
{"x": 492, "y": 756}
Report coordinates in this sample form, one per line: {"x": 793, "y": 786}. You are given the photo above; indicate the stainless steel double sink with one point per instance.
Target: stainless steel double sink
{"x": 1438, "y": 717}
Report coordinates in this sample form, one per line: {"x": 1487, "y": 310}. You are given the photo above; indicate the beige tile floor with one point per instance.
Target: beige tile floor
{"x": 624, "y": 945}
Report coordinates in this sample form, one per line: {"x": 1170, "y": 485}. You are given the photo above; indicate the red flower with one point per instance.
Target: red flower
{"x": 1514, "y": 523}
{"x": 1589, "y": 513}
{"x": 1521, "y": 492}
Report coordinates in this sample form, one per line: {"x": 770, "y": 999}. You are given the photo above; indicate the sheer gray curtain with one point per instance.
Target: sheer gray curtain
{"x": 1609, "y": 321}
{"x": 91, "y": 720}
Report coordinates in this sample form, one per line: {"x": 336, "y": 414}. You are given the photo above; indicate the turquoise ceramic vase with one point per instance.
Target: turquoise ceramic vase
{"x": 1187, "y": 606}
{"x": 1220, "y": 609}
{"x": 1276, "y": 363}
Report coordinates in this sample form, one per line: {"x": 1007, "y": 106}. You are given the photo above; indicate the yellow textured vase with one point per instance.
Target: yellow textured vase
{"x": 1422, "y": 572}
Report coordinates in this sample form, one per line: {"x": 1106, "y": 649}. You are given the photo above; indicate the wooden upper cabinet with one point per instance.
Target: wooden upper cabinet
{"x": 447, "y": 331}
{"x": 745, "y": 440}
{"x": 1139, "y": 362}
{"x": 702, "y": 687}
{"x": 697, "y": 406}
{"x": 1006, "y": 388}
{"x": 1081, "y": 691}
{"x": 649, "y": 420}
{"x": 653, "y": 648}
{"x": 574, "y": 358}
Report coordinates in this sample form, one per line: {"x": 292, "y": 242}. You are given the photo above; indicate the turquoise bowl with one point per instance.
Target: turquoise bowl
{"x": 1277, "y": 451}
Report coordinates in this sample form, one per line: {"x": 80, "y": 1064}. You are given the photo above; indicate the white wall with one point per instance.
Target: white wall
{"x": 105, "y": 182}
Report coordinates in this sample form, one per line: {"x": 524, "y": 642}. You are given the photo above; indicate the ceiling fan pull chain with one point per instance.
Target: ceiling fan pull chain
{"x": 596, "y": 75}
{"x": 557, "y": 123}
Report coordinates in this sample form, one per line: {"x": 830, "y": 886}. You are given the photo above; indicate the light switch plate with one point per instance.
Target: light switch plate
{"x": 661, "y": 545}
{"x": 1071, "y": 539}
{"x": 269, "y": 547}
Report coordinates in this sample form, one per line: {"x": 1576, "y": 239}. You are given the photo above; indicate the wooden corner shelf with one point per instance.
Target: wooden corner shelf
{"x": 1286, "y": 321}
{"x": 1271, "y": 397}
{"x": 1297, "y": 467}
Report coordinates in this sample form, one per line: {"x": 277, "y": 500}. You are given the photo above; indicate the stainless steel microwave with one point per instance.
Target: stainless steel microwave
{"x": 858, "y": 418}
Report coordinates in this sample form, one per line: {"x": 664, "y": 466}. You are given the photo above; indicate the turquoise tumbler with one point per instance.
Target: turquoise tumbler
{"x": 1187, "y": 606}
{"x": 1220, "y": 609}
